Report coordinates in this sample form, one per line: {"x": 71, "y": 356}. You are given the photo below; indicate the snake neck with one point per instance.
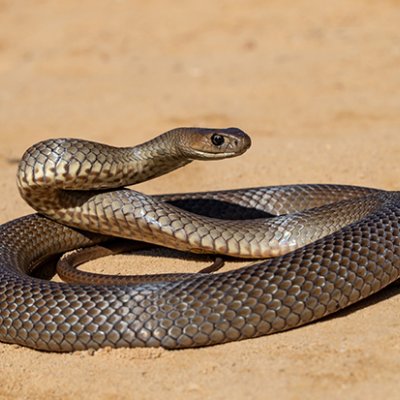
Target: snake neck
{"x": 156, "y": 157}
{"x": 57, "y": 172}
{"x": 75, "y": 164}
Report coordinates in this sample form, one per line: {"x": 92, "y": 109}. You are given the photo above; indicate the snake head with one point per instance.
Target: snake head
{"x": 213, "y": 144}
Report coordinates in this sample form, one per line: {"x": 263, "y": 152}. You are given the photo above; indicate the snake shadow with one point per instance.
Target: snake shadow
{"x": 219, "y": 209}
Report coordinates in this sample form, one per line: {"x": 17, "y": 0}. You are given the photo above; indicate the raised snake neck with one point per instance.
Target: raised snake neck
{"x": 335, "y": 244}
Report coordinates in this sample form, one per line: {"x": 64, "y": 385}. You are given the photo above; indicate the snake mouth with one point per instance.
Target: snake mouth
{"x": 208, "y": 155}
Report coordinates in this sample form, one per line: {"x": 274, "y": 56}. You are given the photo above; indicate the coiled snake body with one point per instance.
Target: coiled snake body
{"x": 333, "y": 246}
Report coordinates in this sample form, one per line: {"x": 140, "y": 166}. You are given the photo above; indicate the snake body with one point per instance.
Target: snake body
{"x": 332, "y": 245}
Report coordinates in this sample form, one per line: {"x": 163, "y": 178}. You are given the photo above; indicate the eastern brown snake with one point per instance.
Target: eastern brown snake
{"x": 333, "y": 246}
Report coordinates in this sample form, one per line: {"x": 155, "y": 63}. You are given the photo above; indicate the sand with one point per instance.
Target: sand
{"x": 317, "y": 86}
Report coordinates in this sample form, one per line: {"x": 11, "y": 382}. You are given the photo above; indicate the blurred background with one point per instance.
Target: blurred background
{"x": 116, "y": 68}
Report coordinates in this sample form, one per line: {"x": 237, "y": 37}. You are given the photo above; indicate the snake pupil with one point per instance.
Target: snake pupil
{"x": 217, "y": 140}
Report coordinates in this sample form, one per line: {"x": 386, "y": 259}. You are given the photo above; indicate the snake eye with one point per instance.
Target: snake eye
{"x": 217, "y": 140}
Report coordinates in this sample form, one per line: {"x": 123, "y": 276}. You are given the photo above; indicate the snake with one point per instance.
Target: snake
{"x": 313, "y": 248}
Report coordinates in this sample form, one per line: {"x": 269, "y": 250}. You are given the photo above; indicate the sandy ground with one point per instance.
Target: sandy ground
{"x": 317, "y": 86}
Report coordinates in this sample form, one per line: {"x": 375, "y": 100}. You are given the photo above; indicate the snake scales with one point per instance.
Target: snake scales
{"x": 334, "y": 245}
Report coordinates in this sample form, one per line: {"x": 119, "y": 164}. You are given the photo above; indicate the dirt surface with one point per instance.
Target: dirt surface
{"x": 316, "y": 84}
